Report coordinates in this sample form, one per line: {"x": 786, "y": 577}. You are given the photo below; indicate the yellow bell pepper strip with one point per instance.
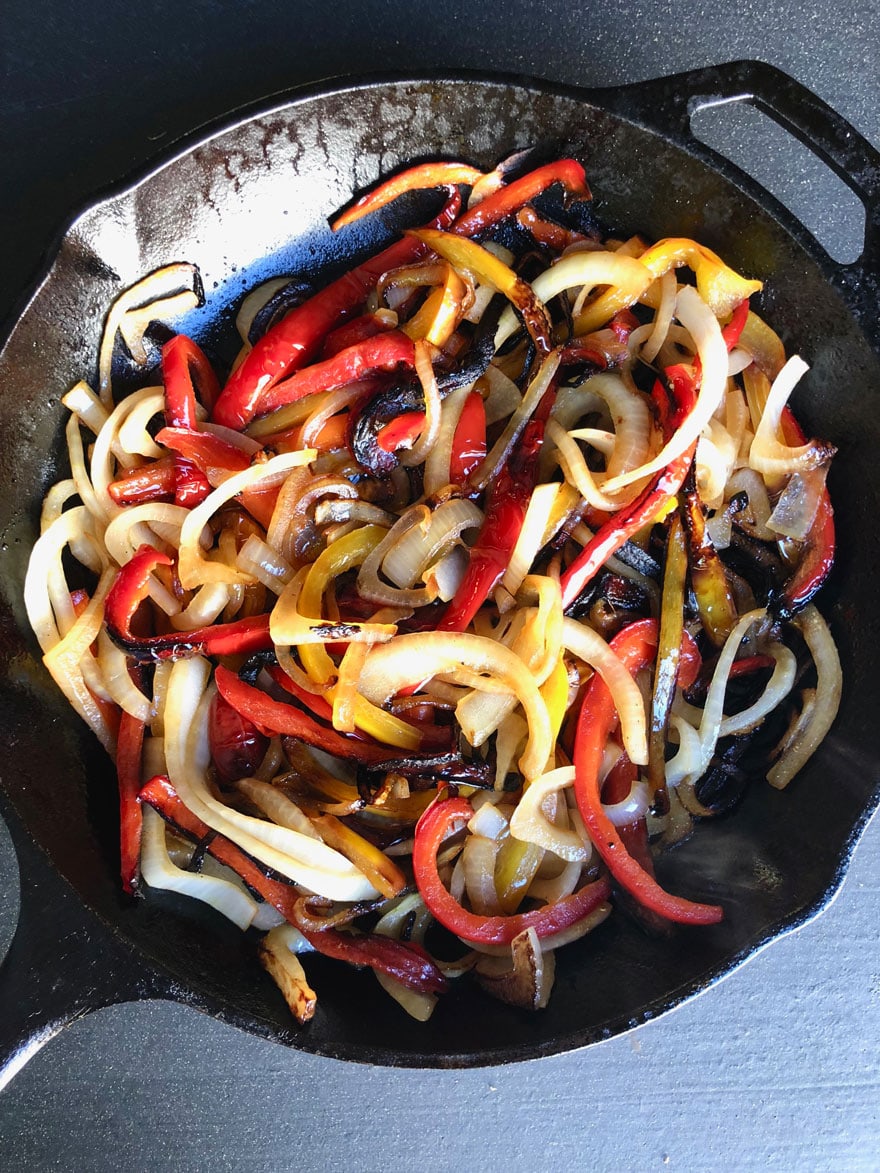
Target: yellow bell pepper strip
{"x": 485, "y": 268}
{"x": 714, "y": 597}
{"x": 515, "y": 867}
{"x": 513, "y": 196}
{"x": 382, "y": 872}
{"x": 431, "y": 829}
{"x": 417, "y": 178}
{"x": 554, "y": 690}
{"x": 344, "y": 554}
{"x": 401, "y": 960}
{"x": 668, "y": 659}
{"x": 636, "y": 645}
{"x": 442, "y": 311}
{"x": 720, "y": 286}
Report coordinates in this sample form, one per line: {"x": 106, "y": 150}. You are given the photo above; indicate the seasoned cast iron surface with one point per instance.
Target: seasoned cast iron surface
{"x": 253, "y": 203}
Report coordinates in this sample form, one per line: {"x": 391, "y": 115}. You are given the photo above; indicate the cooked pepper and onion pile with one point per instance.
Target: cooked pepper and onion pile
{"x": 488, "y": 571}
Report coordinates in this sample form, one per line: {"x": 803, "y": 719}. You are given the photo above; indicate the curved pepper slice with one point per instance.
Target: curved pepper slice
{"x": 636, "y": 645}
{"x": 183, "y": 365}
{"x": 431, "y": 830}
{"x": 511, "y": 198}
{"x": 222, "y": 639}
{"x": 277, "y": 717}
{"x": 399, "y": 959}
{"x": 298, "y": 337}
{"x": 417, "y": 178}
{"x": 129, "y": 748}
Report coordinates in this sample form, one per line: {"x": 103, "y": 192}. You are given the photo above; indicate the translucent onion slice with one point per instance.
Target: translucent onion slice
{"x": 631, "y": 418}
{"x": 417, "y": 521}
{"x": 103, "y": 464}
{"x": 287, "y": 972}
{"x": 85, "y": 404}
{"x": 702, "y": 325}
{"x": 592, "y": 269}
{"x": 478, "y": 862}
{"x": 502, "y": 447}
{"x": 578, "y": 473}
{"x": 226, "y": 897}
{"x": 414, "y": 658}
{"x": 300, "y": 858}
{"x": 133, "y": 434}
{"x": 829, "y": 687}
{"x": 531, "y": 536}
{"x": 261, "y": 560}
{"x": 113, "y": 664}
{"x": 193, "y": 568}
{"x": 588, "y": 645}
{"x": 662, "y": 318}
{"x": 778, "y": 687}
{"x": 436, "y": 471}
{"x": 163, "y": 294}
{"x": 768, "y": 455}
{"x": 530, "y": 824}
{"x": 133, "y": 526}
{"x": 420, "y": 545}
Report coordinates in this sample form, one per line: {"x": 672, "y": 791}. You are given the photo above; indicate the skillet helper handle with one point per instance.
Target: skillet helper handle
{"x": 63, "y": 962}
{"x": 667, "y": 105}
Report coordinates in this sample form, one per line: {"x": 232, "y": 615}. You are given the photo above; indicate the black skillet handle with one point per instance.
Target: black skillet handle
{"x": 62, "y": 963}
{"x": 666, "y": 105}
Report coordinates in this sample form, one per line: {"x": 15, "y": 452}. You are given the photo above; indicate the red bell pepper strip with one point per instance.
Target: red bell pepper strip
{"x": 430, "y": 832}
{"x": 182, "y": 364}
{"x": 817, "y": 558}
{"x": 636, "y": 645}
{"x": 511, "y": 198}
{"x": 315, "y": 701}
{"x": 621, "y": 527}
{"x": 366, "y": 326}
{"x": 150, "y": 482}
{"x": 129, "y": 748}
{"x": 469, "y": 439}
{"x": 508, "y": 499}
{"x": 222, "y": 639}
{"x": 401, "y": 432}
{"x": 417, "y": 178}
{"x": 736, "y": 325}
{"x": 382, "y": 353}
{"x": 297, "y": 338}
{"x": 237, "y": 746}
{"x": 749, "y": 664}
{"x": 276, "y": 717}
{"x": 405, "y": 962}
{"x": 629, "y": 520}
{"x": 214, "y": 456}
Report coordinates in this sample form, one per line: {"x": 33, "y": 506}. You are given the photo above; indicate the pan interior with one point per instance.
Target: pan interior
{"x": 252, "y": 203}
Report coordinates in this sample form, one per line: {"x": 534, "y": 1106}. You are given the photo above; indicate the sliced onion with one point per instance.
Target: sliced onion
{"x": 663, "y": 317}
{"x": 288, "y": 974}
{"x": 415, "y": 658}
{"x": 265, "y": 564}
{"x": 796, "y": 509}
{"x": 530, "y": 824}
{"x": 431, "y": 430}
{"x": 416, "y": 521}
{"x": 158, "y": 871}
{"x": 591, "y": 269}
{"x": 531, "y": 536}
{"x": 504, "y": 396}
{"x": 193, "y": 568}
{"x": 436, "y": 472}
{"x": 478, "y": 862}
{"x": 767, "y": 454}
{"x": 829, "y": 687}
{"x": 778, "y": 687}
{"x": 505, "y": 443}
{"x": 420, "y": 545}
{"x": 529, "y": 981}
{"x": 115, "y": 677}
{"x": 702, "y": 325}
{"x": 133, "y": 434}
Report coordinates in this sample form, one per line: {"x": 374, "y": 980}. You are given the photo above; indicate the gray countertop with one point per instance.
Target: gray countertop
{"x": 776, "y": 1067}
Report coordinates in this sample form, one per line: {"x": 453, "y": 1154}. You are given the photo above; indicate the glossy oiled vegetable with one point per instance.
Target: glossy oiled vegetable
{"x": 444, "y": 609}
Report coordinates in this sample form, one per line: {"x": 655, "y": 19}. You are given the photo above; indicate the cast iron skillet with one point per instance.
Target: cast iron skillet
{"x": 250, "y": 201}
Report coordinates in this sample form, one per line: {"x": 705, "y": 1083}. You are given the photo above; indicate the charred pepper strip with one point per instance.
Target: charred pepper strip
{"x": 508, "y": 500}
{"x": 276, "y": 717}
{"x": 510, "y": 199}
{"x": 208, "y": 452}
{"x": 399, "y": 959}
{"x": 708, "y": 577}
{"x": 297, "y": 338}
{"x": 431, "y": 829}
{"x": 417, "y": 178}
{"x": 382, "y": 353}
{"x": 184, "y": 364}
{"x": 668, "y": 659}
{"x": 129, "y": 748}
{"x": 636, "y": 646}
{"x": 128, "y": 592}
{"x": 466, "y": 256}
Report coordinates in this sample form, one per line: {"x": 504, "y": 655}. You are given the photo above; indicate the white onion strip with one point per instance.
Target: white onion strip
{"x": 701, "y": 323}
{"x": 829, "y": 687}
